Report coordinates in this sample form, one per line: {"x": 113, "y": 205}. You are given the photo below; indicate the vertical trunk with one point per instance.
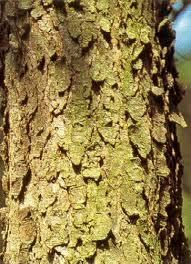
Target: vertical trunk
{"x": 92, "y": 163}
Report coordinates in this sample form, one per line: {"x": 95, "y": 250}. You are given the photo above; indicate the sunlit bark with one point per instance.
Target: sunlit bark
{"x": 92, "y": 164}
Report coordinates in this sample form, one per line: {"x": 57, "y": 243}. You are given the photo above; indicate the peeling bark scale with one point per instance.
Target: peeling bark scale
{"x": 92, "y": 169}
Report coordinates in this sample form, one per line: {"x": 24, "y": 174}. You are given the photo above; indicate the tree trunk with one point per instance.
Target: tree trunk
{"x": 92, "y": 164}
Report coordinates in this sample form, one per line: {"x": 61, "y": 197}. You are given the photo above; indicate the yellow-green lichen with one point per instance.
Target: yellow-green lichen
{"x": 105, "y": 24}
{"x": 93, "y": 173}
{"x": 101, "y": 227}
{"x": 136, "y": 107}
{"x": 25, "y": 4}
{"x": 102, "y": 5}
{"x": 140, "y": 137}
{"x": 128, "y": 87}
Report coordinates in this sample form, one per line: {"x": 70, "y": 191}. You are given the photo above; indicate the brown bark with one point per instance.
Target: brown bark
{"x": 92, "y": 164}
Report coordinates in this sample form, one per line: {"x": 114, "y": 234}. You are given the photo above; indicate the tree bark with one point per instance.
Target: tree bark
{"x": 92, "y": 164}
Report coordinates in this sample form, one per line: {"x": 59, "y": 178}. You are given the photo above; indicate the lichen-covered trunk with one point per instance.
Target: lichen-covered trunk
{"x": 92, "y": 166}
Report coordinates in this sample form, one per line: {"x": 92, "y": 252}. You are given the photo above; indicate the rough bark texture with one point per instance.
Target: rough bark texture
{"x": 92, "y": 166}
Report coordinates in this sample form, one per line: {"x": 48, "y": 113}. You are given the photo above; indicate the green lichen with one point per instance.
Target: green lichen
{"x": 90, "y": 5}
{"x": 87, "y": 250}
{"x": 101, "y": 227}
{"x": 141, "y": 138}
{"x": 136, "y": 107}
{"x": 161, "y": 166}
{"x": 134, "y": 170}
{"x": 102, "y": 5}
{"x": 55, "y": 231}
{"x": 77, "y": 197}
{"x": 137, "y": 49}
{"x": 159, "y": 130}
{"x": 93, "y": 136}
{"x": 131, "y": 199}
{"x": 25, "y": 4}
{"x": 74, "y": 26}
{"x": 138, "y": 64}
{"x": 59, "y": 80}
{"x": 99, "y": 69}
{"x": 109, "y": 134}
{"x": 128, "y": 87}
{"x": 93, "y": 173}
{"x": 105, "y": 24}
{"x": 88, "y": 34}
{"x": 37, "y": 12}
{"x": 178, "y": 118}
{"x": 158, "y": 91}
{"x": 131, "y": 250}
{"x": 145, "y": 35}
{"x": 80, "y": 217}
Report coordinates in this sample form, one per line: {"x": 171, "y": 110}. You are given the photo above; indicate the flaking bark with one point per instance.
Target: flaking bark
{"x": 92, "y": 163}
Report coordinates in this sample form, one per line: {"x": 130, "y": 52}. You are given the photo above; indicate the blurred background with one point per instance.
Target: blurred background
{"x": 180, "y": 15}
